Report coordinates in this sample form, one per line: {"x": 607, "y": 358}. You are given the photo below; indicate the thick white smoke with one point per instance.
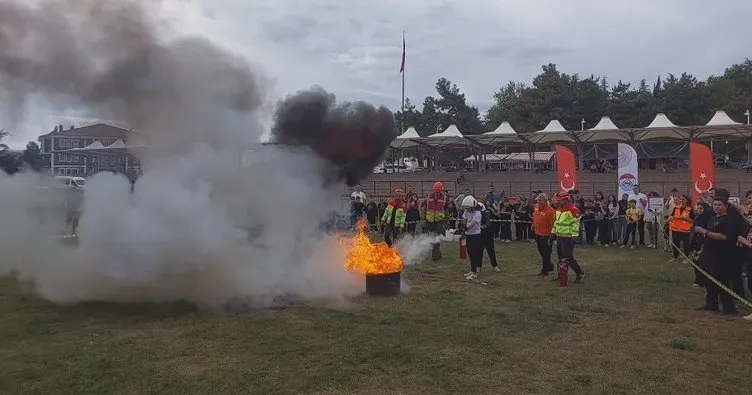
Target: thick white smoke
{"x": 197, "y": 226}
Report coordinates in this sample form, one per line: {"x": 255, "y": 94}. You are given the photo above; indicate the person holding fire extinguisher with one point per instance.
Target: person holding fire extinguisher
{"x": 566, "y": 229}
{"x": 394, "y": 217}
{"x": 435, "y": 203}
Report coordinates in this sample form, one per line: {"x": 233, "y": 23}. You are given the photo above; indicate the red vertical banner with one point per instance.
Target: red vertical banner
{"x": 703, "y": 171}
{"x": 566, "y": 168}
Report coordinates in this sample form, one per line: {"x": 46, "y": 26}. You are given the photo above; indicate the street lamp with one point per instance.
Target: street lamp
{"x": 582, "y": 124}
{"x": 747, "y": 114}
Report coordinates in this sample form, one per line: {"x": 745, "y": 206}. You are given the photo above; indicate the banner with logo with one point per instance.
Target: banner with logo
{"x": 703, "y": 171}
{"x": 566, "y": 168}
{"x": 628, "y": 169}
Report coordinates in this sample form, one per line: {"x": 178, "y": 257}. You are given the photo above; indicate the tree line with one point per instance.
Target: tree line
{"x": 13, "y": 161}
{"x": 569, "y": 98}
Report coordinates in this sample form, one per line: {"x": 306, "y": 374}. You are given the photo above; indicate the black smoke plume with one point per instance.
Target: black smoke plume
{"x": 353, "y": 136}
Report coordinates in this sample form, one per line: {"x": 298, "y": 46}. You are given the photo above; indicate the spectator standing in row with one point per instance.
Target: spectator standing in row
{"x": 633, "y": 215}
{"x": 642, "y": 203}
{"x": 680, "y": 224}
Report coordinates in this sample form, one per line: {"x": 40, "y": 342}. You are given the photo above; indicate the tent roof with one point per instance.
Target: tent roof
{"x": 410, "y": 133}
{"x": 406, "y": 139}
{"x": 604, "y": 130}
{"x": 451, "y": 131}
{"x": 451, "y": 136}
{"x": 604, "y": 124}
{"x": 722, "y": 126}
{"x": 515, "y": 157}
{"x": 504, "y": 128}
{"x": 502, "y": 134}
{"x": 720, "y": 118}
{"x": 552, "y": 133}
{"x": 553, "y": 126}
{"x": 660, "y": 121}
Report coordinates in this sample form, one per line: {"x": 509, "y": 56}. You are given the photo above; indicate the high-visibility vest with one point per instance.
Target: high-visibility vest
{"x": 435, "y": 208}
{"x": 681, "y": 222}
{"x": 566, "y": 224}
{"x": 399, "y": 216}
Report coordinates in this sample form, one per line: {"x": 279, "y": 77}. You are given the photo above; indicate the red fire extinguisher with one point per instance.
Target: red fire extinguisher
{"x": 563, "y": 272}
{"x": 463, "y": 247}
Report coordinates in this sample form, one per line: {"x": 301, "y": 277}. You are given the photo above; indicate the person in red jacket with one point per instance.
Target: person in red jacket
{"x": 435, "y": 217}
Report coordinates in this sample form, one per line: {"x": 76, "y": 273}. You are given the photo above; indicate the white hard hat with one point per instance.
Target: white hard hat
{"x": 468, "y": 202}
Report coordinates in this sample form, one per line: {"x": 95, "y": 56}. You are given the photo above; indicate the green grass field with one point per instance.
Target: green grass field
{"x": 630, "y": 328}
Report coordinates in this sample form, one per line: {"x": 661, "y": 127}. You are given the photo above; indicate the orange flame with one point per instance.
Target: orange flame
{"x": 367, "y": 258}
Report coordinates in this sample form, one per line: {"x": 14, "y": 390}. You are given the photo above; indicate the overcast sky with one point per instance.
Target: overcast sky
{"x": 353, "y": 48}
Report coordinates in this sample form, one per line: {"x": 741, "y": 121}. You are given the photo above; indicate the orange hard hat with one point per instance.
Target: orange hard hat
{"x": 438, "y": 186}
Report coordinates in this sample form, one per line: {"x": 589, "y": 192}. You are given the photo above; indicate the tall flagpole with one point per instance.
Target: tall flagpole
{"x": 402, "y": 71}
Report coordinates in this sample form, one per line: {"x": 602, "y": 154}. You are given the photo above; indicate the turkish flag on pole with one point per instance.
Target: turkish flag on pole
{"x": 566, "y": 168}
{"x": 703, "y": 172}
{"x": 402, "y": 65}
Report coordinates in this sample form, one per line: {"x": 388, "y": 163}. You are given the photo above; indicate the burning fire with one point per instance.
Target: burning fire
{"x": 367, "y": 258}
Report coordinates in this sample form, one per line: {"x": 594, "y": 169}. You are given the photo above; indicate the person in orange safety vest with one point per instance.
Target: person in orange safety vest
{"x": 435, "y": 217}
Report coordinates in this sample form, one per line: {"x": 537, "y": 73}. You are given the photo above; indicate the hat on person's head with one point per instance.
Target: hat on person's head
{"x": 469, "y": 202}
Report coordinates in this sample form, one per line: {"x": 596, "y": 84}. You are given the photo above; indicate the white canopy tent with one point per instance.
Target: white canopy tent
{"x": 661, "y": 128}
{"x": 552, "y": 133}
{"x": 408, "y": 139}
{"x": 503, "y": 134}
{"x": 451, "y": 137}
{"x": 722, "y": 126}
{"x": 516, "y": 157}
{"x": 604, "y": 130}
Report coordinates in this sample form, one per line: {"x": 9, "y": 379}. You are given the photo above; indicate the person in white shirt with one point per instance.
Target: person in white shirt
{"x": 472, "y": 218}
{"x": 642, "y": 203}
{"x": 358, "y": 193}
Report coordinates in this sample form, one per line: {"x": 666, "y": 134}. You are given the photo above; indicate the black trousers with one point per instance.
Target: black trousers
{"x": 641, "y": 231}
{"x": 475, "y": 251}
{"x": 591, "y": 227}
{"x": 490, "y": 248}
{"x": 435, "y": 229}
{"x": 565, "y": 250}
{"x": 631, "y": 227}
{"x": 681, "y": 238}
{"x": 713, "y": 293}
{"x": 390, "y": 234}
{"x": 603, "y": 233}
{"x": 544, "y": 249}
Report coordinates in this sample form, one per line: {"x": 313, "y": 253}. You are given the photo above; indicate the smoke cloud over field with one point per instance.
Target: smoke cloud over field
{"x": 197, "y": 226}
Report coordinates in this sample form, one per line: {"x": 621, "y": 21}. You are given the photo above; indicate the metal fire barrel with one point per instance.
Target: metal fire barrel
{"x": 383, "y": 284}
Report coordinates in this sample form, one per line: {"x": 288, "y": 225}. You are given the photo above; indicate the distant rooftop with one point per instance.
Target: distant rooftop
{"x": 99, "y": 130}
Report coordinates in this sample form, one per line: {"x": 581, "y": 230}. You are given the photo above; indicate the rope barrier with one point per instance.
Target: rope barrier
{"x": 715, "y": 281}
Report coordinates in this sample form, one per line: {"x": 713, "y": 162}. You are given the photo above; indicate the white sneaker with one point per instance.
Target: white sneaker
{"x": 606, "y": 245}
{"x": 748, "y": 317}
{"x": 632, "y": 247}
{"x": 650, "y": 246}
{"x": 467, "y": 275}
{"x": 623, "y": 246}
{"x": 472, "y": 276}
{"x": 497, "y": 269}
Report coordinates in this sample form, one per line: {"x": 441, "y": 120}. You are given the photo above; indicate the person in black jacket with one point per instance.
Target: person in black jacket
{"x": 486, "y": 232}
